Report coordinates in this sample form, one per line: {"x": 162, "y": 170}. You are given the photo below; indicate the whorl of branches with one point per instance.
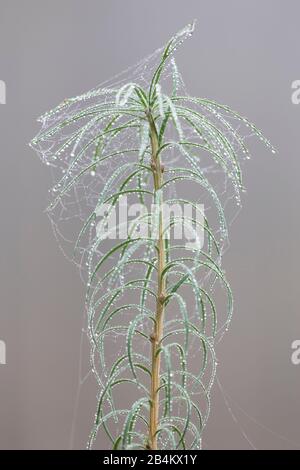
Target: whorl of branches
{"x": 152, "y": 302}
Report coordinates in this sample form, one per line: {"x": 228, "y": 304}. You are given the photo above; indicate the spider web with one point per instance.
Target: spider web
{"x": 74, "y": 141}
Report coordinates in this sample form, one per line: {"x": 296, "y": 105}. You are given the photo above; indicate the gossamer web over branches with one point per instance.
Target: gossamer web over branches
{"x": 99, "y": 146}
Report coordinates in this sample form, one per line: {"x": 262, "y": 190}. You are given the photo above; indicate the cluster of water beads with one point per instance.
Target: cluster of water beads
{"x": 68, "y": 143}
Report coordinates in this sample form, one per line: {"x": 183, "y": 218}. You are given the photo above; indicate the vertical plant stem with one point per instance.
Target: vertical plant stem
{"x": 157, "y": 334}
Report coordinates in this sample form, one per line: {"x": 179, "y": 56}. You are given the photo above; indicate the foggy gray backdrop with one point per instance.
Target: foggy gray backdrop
{"x": 244, "y": 54}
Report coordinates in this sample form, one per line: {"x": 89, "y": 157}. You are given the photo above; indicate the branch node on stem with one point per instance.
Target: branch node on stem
{"x": 153, "y": 338}
{"x": 153, "y": 166}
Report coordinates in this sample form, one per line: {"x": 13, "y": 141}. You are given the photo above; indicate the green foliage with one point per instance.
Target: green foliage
{"x": 100, "y": 143}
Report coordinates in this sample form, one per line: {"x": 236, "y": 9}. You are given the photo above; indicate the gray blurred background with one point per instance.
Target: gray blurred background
{"x": 243, "y": 53}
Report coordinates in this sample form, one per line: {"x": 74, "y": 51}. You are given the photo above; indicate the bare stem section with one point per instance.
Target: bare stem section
{"x": 157, "y": 334}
